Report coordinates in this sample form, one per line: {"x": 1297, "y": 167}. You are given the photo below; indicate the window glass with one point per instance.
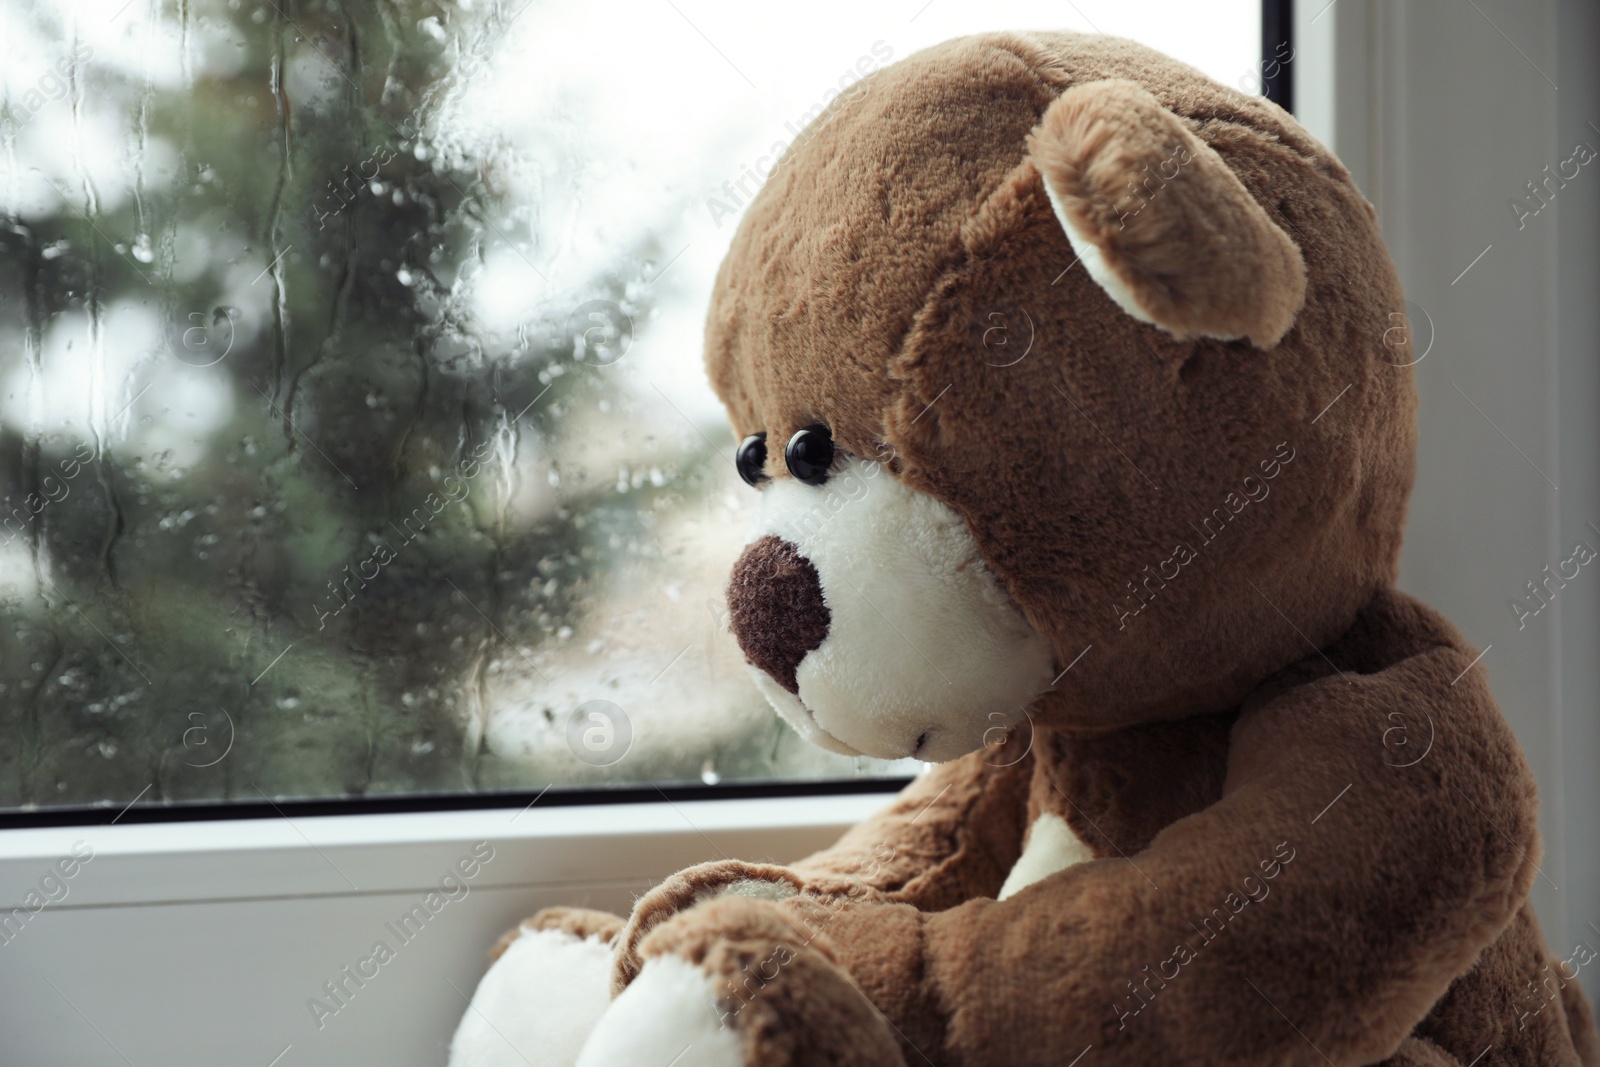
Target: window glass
{"x": 353, "y": 433}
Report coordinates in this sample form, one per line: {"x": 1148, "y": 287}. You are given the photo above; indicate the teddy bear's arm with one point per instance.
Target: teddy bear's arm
{"x": 1317, "y": 910}
{"x": 951, "y": 835}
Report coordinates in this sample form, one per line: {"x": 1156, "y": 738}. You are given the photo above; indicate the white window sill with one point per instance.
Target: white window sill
{"x": 199, "y": 943}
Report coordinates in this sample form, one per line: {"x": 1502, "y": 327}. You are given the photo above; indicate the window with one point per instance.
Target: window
{"x": 353, "y": 436}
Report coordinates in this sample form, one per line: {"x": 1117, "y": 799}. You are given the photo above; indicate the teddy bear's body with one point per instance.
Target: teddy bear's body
{"x": 1191, "y": 958}
{"x": 1094, "y": 444}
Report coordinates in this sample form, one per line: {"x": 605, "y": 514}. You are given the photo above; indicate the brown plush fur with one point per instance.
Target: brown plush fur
{"x": 1280, "y": 763}
{"x": 577, "y": 922}
{"x": 681, "y": 892}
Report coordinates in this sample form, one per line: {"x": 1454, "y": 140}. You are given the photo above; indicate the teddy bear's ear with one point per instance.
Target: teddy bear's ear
{"x": 1161, "y": 222}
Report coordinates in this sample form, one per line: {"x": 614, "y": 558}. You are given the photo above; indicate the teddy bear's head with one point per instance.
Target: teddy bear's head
{"x": 1071, "y": 382}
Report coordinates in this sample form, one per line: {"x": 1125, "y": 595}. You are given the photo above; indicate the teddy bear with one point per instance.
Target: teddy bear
{"x": 1060, "y": 372}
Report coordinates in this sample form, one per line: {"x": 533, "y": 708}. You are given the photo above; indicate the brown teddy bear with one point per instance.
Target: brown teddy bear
{"x": 1083, "y": 464}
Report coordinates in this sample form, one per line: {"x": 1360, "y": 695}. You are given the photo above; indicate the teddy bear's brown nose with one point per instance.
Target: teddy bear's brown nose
{"x": 776, "y": 608}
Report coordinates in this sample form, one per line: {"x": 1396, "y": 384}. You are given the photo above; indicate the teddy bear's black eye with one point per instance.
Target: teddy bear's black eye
{"x": 752, "y": 458}
{"x": 810, "y": 454}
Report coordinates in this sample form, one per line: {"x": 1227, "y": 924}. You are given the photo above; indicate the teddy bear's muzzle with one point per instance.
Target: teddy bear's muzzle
{"x": 871, "y": 623}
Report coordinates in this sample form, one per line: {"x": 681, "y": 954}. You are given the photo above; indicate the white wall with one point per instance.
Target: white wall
{"x": 1444, "y": 110}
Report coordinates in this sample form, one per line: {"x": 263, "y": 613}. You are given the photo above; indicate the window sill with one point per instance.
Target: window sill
{"x": 184, "y": 943}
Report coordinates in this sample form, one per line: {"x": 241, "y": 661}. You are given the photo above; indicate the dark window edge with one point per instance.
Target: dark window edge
{"x": 1277, "y": 41}
{"x": 207, "y": 811}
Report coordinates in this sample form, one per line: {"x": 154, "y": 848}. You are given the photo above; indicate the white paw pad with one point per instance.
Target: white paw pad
{"x": 668, "y": 1015}
{"x": 537, "y": 1004}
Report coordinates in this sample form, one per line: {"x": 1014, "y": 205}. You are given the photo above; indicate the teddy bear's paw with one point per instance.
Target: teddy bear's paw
{"x": 737, "y": 980}
{"x": 690, "y": 888}
{"x": 579, "y": 922}
{"x": 669, "y": 1014}
{"x": 538, "y": 1002}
